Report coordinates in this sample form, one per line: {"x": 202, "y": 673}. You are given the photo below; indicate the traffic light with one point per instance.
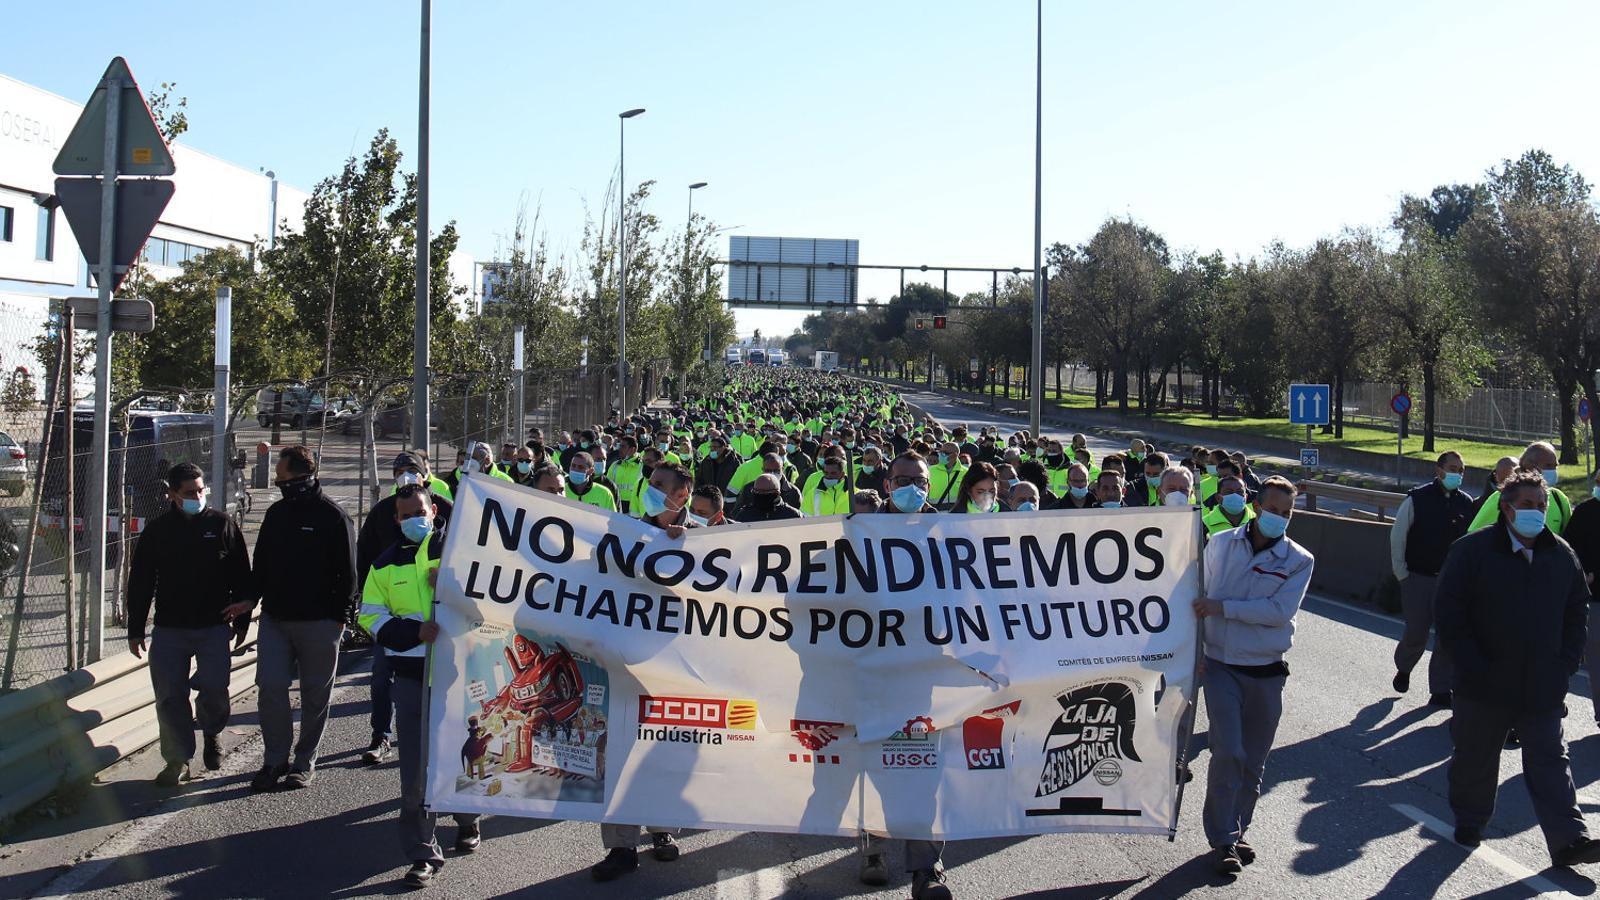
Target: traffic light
{"x": 938, "y": 322}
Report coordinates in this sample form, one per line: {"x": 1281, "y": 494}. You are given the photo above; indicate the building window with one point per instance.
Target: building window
{"x": 45, "y": 246}
{"x": 6, "y": 215}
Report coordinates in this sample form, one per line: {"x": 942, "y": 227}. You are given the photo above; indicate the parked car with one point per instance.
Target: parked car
{"x": 13, "y": 466}
{"x": 295, "y": 406}
{"x": 387, "y": 421}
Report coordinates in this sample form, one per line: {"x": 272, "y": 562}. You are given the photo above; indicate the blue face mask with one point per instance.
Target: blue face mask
{"x": 868, "y": 469}
{"x": 1210, "y": 469}
{"x": 711, "y": 455}
{"x": 790, "y": 448}
{"x": 524, "y": 467}
{"x": 600, "y": 467}
{"x": 831, "y": 483}
{"x": 1451, "y": 480}
{"x": 1272, "y": 525}
{"x": 655, "y": 502}
{"x": 578, "y": 477}
{"x": 1110, "y": 504}
{"x": 944, "y": 459}
{"x": 1079, "y": 492}
{"x": 1528, "y": 523}
{"x": 1551, "y": 476}
{"x": 1027, "y": 506}
{"x": 909, "y": 498}
{"x": 416, "y": 528}
{"x": 584, "y": 444}
{"x": 192, "y": 507}
{"x": 1013, "y": 482}
{"x": 1232, "y": 504}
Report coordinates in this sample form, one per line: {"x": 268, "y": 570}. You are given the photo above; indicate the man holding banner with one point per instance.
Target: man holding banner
{"x": 1256, "y": 580}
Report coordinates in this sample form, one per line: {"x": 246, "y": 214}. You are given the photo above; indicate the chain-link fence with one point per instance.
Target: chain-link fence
{"x": 355, "y": 424}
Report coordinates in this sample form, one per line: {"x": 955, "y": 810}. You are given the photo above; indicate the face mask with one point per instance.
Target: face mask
{"x": 1210, "y": 469}
{"x": 868, "y": 468}
{"x": 416, "y": 528}
{"x": 578, "y": 477}
{"x": 1175, "y": 499}
{"x": 944, "y": 459}
{"x": 655, "y": 502}
{"x": 909, "y": 498}
{"x": 298, "y": 487}
{"x": 583, "y": 444}
{"x": 849, "y": 445}
{"x": 600, "y": 467}
{"x": 664, "y": 445}
{"x": 471, "y": 466}
{"x": 1451, "y": 480}
{"x": 698, "y": 520}
{"x": 1027, "y": 506}
{"x": 1055, "y": 459}
{"x": 765, "y": 501}
{"x": 1110, "y": 504}
{"x": 1272, "y": 525}
{"x": 405, "y": 478}
{"x": 1551, "y": 476}
{"x": 524, "y": 467}
{"x": 1527, "y": 523}
{"x": 831, "y": 483}
{"x": 790, "y": 448}
{"x": 737, "y": 432}
{"x": 1595, "y": 492}
{"x": 712, "y": 455}
{"x": 1078, "y": 492}
{"x": 984, "y": 502}
{"x": 1232, "y": 504}
{"x": 191, "y": 506}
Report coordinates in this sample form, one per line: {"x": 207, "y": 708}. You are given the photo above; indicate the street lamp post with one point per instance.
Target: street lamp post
{"x": 1036, "y": 403}
{"x": 622, "y": 255}
{"x": 688, "y": 230}
{"x": 419, "y": 363}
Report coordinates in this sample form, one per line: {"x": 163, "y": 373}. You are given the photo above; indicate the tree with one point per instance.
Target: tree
{"x": 1254, "y": 362}
{"x": 1533, "y": 246}
{"x": 699, "y": 325}
{"x": 350, "y": 272}
{"x": 597, "y": 299}
{"x": 1113, "y": 285}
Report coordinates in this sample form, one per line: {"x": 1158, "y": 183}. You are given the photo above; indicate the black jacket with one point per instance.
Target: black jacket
{"x": 190, "y": 567}
{"x": 1438, "y": 518}
{"x": 750, "y": 512}
{"x": 1514, "y": 629}
{"x": 1583, "y": 533}
{"x": 306, "y": 560}
{"x": 380, "y": 531}
{"x": 717, "y": 471}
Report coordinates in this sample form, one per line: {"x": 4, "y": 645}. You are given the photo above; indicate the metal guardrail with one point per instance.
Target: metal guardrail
{"x": 1384, "y": 502}
{"x": 74, "y": 725}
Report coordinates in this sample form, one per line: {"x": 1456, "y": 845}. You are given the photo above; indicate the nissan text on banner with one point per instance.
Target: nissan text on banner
{"x": 921, "y": 676}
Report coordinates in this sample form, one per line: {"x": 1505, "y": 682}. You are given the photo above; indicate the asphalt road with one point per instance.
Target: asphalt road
{"x": 1354, "y": 806}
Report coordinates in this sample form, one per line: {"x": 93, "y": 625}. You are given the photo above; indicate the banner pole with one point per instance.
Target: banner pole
{"x": 1186, "y": 722}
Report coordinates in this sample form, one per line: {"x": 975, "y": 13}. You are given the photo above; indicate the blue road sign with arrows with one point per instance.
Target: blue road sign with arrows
{"x": 1309, "y": 404}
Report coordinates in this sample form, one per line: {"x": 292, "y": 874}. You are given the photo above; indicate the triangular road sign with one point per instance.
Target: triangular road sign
{"x": 139, "y": 206}
{"x": 140, "y": 147}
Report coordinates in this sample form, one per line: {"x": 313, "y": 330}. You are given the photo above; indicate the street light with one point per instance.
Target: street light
{"x": 622, "y": 254}
{"x": 688, "y": 228}
{"x": 1036, "y": 404}
{"x": 419, "y": 353}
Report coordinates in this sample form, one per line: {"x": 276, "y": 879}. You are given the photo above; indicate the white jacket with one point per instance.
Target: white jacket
{"x": 1260, "y": 594}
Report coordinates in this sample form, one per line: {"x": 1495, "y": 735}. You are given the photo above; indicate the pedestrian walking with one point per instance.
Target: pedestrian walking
{"x": 192, "y": 565}
{"x": 305, "y": 566}
{"x": 1429, "y": 520}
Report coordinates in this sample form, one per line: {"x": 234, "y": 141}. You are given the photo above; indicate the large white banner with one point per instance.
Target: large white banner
{"x": 925, "y": 676}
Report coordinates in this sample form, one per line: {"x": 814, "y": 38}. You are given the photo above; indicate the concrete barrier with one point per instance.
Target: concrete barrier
{"x": 1352, "y": 555}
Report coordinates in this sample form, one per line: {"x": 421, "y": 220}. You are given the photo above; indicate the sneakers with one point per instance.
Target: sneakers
{"x": 873, "y": 871}
{"x": 212, "y": 754}
{"x": 267, "y": 779}
{"x": 1226, "y": 860}
{"x": 1583, "y": 850}
{"x": 379, "y": 752}
{"x": 928, "y": 884}
{"x": 1247, "y": 853}
{"x": 1402, "y": 682}
{"x": 421, "y": 874}
{"x": 1441, "y": 700}
{"x": 1469, "y": 835}
{"x": 172, "y": 774}
{"x": 299, "y": 778}
{"x": 620, "y": 861}
{"x": 468, "y": 837}
{"x": 663, "y": 847}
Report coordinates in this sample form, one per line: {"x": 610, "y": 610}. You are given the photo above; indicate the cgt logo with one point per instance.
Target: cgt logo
{"x": 982, "y": 736}
{"x": 698, "y": 712}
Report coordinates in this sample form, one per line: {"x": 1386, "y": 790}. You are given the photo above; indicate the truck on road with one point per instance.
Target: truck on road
{"x": 825, "y": 361}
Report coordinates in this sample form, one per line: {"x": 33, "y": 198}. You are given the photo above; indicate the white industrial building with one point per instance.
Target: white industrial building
{"x": 216, "y": 204}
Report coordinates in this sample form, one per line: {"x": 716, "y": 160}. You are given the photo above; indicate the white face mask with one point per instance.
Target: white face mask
{"x": 1175, "y": 499}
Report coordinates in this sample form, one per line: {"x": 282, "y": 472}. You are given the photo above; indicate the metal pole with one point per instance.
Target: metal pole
{"x": 521, "y": 431}
{"x": 100, "y": 444}
{"x": 1036, "y": 403}
{"x": 219, "y": 425}
{"x": 622, "y": 260}
{"x": 69, "y": 516}
{"x": 419, "y": 365}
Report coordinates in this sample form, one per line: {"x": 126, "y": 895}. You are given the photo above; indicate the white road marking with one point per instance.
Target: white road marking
{"x": 244, "y": 758}
{"x": 1493, "y": 857}
{"x": 742, "y": 884}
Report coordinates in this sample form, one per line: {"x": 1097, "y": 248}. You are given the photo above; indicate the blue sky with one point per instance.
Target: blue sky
{"x": 906, "y": 125}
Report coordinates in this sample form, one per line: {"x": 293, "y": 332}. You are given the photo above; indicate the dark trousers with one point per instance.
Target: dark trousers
{"x": 171, "y": 650}
{"x": 382, "y": 716}
{"x": 1243, "y": 712}
{"x": 1479, "y": 732}
{"x": 309, "y": 649}
{"x": 1416, "y": 604}
{"x": 416, "y": 823}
